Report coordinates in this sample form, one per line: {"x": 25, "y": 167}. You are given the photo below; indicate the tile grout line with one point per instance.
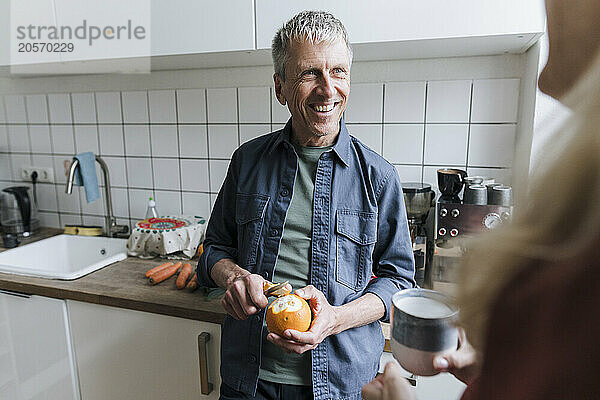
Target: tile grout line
{"x": 93, "y": 94}
{"x": 125, "y": 157}
{"x": 28, "y": 132}
{"x": 70, "y": 96}
{"x": 208, "y": 163}
{"x": 469, "y": 125}
{"x": 383, "y": 118}
{"x": 53, "y": 158}
{"x": 178, "y": 151}
{"x": 424, "y": 133}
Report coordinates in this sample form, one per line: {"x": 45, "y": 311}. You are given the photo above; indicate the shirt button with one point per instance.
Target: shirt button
{"x": 274, "y": 232}
{"x": 285, "y": 193}
{"x": 252, "y": 358}
{"x": 265, "y": 274}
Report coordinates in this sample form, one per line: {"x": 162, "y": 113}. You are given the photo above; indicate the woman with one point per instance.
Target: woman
{"x": 530, "y": 291}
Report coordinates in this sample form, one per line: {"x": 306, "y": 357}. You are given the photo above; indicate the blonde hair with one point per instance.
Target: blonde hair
{"x": 556, "y": 218}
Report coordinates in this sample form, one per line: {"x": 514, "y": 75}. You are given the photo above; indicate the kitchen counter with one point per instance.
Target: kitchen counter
{"x": 124, "y": 285}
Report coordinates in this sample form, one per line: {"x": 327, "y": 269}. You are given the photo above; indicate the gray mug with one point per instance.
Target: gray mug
{"x": 423, "y": 327}
{"x": 475, "y": 194}
{"x": 500, "y": 195}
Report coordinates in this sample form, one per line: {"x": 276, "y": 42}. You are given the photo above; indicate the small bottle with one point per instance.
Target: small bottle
{"x": 151, "y": 212}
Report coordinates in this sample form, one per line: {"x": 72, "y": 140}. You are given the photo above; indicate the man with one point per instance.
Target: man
{"x": 311, "y": 205}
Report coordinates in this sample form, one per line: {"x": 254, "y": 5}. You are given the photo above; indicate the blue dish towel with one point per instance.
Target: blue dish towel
{"x": 86, "y": 175}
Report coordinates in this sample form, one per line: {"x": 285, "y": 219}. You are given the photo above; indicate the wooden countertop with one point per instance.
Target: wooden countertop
{"x": 124, "y": 285}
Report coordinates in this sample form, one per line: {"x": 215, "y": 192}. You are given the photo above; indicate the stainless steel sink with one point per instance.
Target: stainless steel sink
{"x": 63, "y": 257}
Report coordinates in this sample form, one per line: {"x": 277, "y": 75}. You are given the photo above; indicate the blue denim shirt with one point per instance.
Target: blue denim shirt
{"x": 359, "y": 229}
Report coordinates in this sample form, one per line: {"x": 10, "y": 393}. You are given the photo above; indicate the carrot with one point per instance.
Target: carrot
{"x": 185, "y": 273}
{"x": 163, "y": 274}
{"x": 159, "y": 268}
{"x": 193, "y": 283}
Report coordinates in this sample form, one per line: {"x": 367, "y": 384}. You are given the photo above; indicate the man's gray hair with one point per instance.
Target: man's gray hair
{"x": 312, "y": 26}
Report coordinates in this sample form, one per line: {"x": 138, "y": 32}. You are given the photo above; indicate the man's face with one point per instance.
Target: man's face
{"x": 316, "y": 88}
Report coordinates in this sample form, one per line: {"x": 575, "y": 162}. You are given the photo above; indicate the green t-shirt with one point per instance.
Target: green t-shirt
{"x": 292, "y": 265}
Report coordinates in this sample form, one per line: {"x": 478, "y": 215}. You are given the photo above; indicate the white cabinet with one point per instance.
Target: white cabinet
{"x": 201, "y": 26}
{"x": 125, "y": 354}
{"x": 35, "y": 349}
{"x": 425, "y": 28}
{"x": 176, "y": 27}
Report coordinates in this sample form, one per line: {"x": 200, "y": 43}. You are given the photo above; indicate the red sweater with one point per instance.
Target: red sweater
{"x": 544, "y": 337}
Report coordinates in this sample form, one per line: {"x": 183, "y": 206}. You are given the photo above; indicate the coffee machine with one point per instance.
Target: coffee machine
{"x": 419, "y": 199}
{"x": 458, "y": 220}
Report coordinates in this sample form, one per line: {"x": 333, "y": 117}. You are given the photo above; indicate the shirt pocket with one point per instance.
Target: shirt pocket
{"x": 356, "y": 234}
{"x": 249, "y": 216}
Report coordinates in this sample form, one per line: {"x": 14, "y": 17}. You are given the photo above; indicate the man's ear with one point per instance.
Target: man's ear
{"x": 279, "y": 89}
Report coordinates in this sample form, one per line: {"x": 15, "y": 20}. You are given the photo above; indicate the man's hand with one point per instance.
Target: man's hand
{"x": 388, "y": 386}
{"x": 243, "y": 291}
{"x": 325, "y": 323}
{"x": 462, "y": 363}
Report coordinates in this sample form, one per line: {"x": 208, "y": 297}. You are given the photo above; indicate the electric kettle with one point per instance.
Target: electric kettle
{"x": 19, "y": 211}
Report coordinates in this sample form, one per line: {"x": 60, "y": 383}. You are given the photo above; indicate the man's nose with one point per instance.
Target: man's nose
{"x": 326, "y": 86}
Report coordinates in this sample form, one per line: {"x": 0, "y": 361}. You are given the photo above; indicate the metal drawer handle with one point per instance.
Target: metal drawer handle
{"x": 205, "y": 386}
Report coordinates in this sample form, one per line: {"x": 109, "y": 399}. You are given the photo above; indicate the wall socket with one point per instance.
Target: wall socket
{"x": 45, "y": 174}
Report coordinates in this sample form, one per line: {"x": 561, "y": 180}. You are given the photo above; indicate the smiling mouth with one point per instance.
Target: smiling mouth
{"x": 323, "y": 108}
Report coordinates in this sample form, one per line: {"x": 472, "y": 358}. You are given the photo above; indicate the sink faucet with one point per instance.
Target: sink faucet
{"x": 112, "y": 229}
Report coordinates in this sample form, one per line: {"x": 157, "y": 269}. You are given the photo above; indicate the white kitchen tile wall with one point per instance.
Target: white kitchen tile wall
{"x": 40, "y": 139}
{"x": 111, "y": 140}
{"x": 222, "y": 140}
{"x": 84, "y": 108}
{"x": 162, "y": 106}
{"x": 59, "y": 105}
{"x": 164, "y": 140}
{"x": 108, "y": 107}
{"x": 135, "y": 107}
{"x": 193, "y": 141}
{"x": 446, "y": 144}
{"x": 3, "y": 139}
{"x": 86, "y": 138}
{"x": 404, "y": 102}
{"x": 18, "y": 138}
{"x": 194, "y": 175}
{"x": 37, "y": 109}
{"x": 175, "y": 145}
{"x": 63, "y": 139}
{"x": 254, "y": 103}
{"x": 365, "y": 103}
{"x": 279, "y": 113}
{"x": 15, "y": 109}
{"x": 191, "y": 105}
{"x": 448, "y": 101}
{"x": 222, "y": 105}
{"x": 403, "y": 144}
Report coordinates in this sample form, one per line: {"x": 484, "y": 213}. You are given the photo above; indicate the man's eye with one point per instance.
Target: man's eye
{"x": 309, "y": 73}
{"x": 339, "y": 71}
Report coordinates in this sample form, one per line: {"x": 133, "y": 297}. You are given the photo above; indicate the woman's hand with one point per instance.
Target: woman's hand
{"x": 462, "y": 363}
{"x": 389, "y": 386}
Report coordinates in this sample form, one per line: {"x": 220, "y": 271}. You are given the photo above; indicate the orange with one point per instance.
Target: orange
{"x": 288, "y": 312}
